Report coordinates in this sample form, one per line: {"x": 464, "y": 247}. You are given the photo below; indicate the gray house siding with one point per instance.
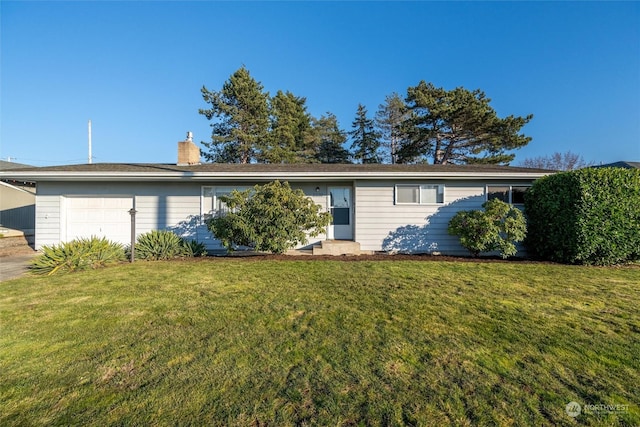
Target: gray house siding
{"x": 160, "y": 206}
{"x": 47, "y": 220}
{"x": 317, "y": 192}
{"x": 381, "y": 224}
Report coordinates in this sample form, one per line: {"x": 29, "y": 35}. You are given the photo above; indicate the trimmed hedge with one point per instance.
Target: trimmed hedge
{"x": 588, "y": 216}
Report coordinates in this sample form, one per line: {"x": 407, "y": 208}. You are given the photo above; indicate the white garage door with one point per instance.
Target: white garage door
{"x": 99, "y": 216}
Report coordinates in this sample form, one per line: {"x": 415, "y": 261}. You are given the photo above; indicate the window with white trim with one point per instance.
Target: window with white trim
{"x": 512, "y": 194}
{"x": 211, "y": 204}
{"x": 419, "y": 194}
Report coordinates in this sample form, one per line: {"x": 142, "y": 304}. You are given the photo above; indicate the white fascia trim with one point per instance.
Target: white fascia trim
{"x": 257, "y": 176}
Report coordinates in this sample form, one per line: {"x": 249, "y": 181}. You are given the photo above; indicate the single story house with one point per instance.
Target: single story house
{"x": 396, "y": 208}
{"x": 621, "y": 164}
{"x": 17, "y": 201}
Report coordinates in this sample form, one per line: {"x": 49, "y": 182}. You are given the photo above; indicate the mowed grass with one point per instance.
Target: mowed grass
{"x": 241, "y": 342}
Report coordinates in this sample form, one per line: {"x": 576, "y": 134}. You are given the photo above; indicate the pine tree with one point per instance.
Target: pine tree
{"x": 289, "y": 138}
{"x": 390, "y": 120}
{"x": 459, "y": 126}
{"x": 329, "y": 140}
{"x": 240, "y": 116}
{"x": 365, "y": 139}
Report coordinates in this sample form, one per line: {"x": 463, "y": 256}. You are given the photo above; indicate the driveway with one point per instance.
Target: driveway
{"x": 14, "y": 266}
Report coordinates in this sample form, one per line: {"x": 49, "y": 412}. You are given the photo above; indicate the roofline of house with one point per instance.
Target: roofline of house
{"x": 43, "y": 176}
{"x": 13, "y": 187}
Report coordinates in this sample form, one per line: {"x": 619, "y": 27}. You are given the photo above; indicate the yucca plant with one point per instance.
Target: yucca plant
{"x": 163, "y": 244}
{"x": 192, "y": 248}
{"x": 158, "y": 244}
{"x": 79, "y": 254}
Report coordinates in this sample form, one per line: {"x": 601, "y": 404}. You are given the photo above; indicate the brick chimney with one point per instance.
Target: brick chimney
{"x": 188, "y": 152}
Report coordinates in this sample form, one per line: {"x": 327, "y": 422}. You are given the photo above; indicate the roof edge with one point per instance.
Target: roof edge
{"x": 40, "y": 176}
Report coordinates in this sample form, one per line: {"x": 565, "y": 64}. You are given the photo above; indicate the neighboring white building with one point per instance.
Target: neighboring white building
{"x": 397, "y": 208}
{"x": 17, "y": 201}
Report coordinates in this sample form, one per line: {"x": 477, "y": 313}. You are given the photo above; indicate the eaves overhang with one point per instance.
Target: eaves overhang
{"x": 184, "y": 176}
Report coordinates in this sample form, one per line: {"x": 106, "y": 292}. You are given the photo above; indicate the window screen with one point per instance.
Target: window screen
{"x": 207, "y": 200}
{"x": 432, "y": 194}
{"x": 408, "y": 194}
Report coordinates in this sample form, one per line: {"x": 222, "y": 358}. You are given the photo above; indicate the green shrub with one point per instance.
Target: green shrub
{"x": 192, "y": 248}
{"x": 80, "y": 254}
{"x": 163, "y": 244}
{"x": 271, "y": 217}
{"x": 588, "y": 216}
{"x": 497, "y": 228}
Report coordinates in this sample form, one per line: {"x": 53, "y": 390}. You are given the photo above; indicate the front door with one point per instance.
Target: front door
{"x": 341, "y": 208}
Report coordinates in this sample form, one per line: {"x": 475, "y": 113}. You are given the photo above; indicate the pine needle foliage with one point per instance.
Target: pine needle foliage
{"x": 459, "y": 126}
{"x": 240, "y": 119}
{"x": 365, "y": 139}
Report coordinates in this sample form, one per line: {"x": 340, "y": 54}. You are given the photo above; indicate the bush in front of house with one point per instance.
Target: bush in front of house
{"x": 79, "y": 254}
{"x": 163, "y": 244}
{"x": 192, "y": 248}
{"x": 588, "y": 216}
{"x": 271, "y": 218}
{"x": 496, "y": 228}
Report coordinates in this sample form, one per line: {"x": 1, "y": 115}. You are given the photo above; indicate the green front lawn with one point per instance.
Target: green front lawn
{"x": 242, "y": 342}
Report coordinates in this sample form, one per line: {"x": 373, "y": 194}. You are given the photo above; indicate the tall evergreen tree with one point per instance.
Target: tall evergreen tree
{"x": 290, "y": 136}
{"x": 329, "y": 140}
{"x": 365, "y": 139}
{"x": 459, "y": 126}
{"x": 240, "y": 116}
{"x": 390, "y": 119}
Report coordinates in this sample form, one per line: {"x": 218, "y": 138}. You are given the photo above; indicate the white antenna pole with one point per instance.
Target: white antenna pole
{"x": 90, "y": 156}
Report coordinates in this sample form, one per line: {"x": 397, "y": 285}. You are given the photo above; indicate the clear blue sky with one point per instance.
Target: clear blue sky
{"x": 136, "y": 68}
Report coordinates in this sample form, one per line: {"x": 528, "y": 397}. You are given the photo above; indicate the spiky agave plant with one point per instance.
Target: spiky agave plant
{"x": 164, "y": 244}
{"x": 79, "y": 254}
{"x": 158, "y": 245}
{"x": 192, "y": 248}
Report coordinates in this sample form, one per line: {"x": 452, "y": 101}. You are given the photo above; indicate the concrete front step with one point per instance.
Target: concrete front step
{"x": 337, "y": 247}
{"x": 299, "y": 252}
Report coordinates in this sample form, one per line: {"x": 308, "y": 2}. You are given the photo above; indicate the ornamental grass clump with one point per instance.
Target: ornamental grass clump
{"x": 79, "y": 254}
{"x": 192, "y": 248}
{"x": 162, "y": 245}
